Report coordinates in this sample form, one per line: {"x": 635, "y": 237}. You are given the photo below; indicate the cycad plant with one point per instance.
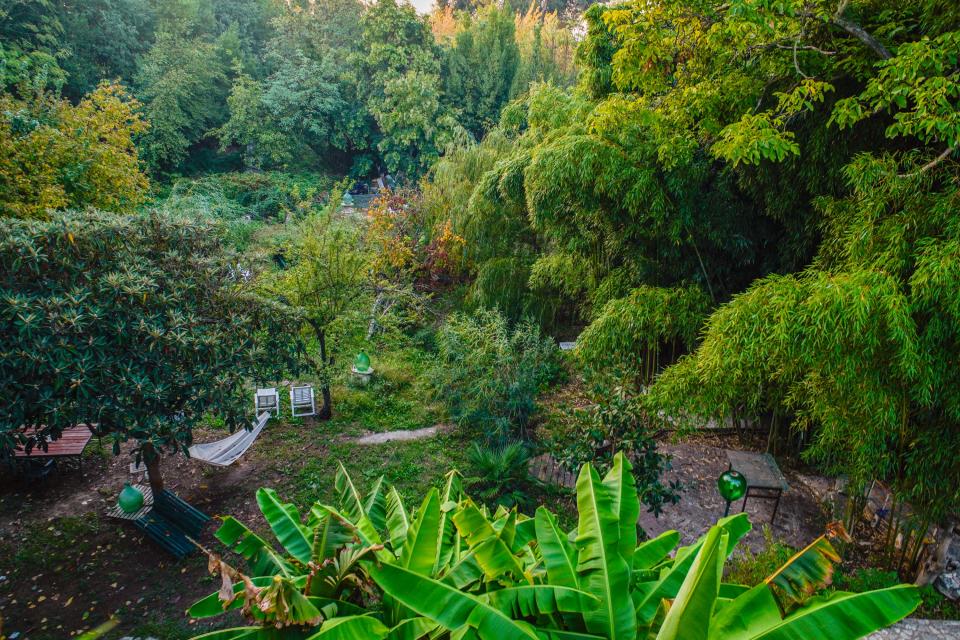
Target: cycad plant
{"x": 370, "y": 569}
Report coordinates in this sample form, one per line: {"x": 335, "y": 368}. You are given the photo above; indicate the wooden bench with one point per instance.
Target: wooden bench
{"x": 166, "y": 519}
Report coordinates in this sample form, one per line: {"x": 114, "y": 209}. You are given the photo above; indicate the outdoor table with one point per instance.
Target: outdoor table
{"x": 69, "y": 446}
{"x": 764, "y": 479}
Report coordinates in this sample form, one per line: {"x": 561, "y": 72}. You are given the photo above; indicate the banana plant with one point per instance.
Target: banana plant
{"x": 369, "y": 567}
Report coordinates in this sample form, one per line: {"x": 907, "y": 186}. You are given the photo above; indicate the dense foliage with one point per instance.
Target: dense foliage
{"x": 489, "y": 374}
{"x": 138, "y": 326}
{"x": 368, "y": 567}
{"x": 769, "y": 188}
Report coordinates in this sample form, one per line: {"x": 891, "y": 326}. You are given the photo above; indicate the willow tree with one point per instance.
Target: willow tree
{"x": 136, "y": 326}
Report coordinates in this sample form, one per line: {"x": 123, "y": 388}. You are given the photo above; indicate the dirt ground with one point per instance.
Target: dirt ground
{"x": 697, "y": 464}
{"x": 65, "y": 567}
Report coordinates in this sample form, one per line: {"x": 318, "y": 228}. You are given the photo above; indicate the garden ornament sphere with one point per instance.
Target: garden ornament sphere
{"x": 130, "y": 499}
{"x": 732, "y": 485}
{"x": 362, "y": 362}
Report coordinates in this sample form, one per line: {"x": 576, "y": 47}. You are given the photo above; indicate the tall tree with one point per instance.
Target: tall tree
{"x": 138, "y": 326}
{"x": 54, "y": 155}
{"x": 480, "y": 69}
{"x": 403, "y": 90}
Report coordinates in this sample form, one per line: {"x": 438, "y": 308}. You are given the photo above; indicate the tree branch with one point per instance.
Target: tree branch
{"x": 930, "y": 165}
{"x": 859, "y": 32}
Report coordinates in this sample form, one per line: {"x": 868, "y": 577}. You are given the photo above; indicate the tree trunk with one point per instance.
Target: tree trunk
{"x": 326, "y": 411}
{"x": 151, "y": 459}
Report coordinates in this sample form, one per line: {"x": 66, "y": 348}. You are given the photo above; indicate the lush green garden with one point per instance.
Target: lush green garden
{"x": 741, "y": 216}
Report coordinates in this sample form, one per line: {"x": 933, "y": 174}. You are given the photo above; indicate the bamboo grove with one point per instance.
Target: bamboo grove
{"x": 756, "y": 202}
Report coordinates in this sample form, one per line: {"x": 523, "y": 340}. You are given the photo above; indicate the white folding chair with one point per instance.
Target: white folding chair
{"x": 267, "y": 400}
{"x": 302, "y": 402}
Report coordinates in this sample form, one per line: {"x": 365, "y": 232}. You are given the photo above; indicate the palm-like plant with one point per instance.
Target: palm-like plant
{"x": 370, "y": 569}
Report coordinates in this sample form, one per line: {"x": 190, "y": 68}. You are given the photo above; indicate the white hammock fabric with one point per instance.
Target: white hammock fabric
{"x": 223, "y": 453}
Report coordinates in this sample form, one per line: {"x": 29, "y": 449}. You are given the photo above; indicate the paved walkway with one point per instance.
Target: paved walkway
{"x": 399, "y": 436}
{"x": 917, "y": 629}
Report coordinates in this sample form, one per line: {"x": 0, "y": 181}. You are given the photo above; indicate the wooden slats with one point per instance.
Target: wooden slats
{"x": 70, "y": 443}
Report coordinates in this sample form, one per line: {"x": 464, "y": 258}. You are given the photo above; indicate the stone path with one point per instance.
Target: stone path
{"x": 399, "y": 436}
{"x": 799, "y": 520}
{"x": 917, "y": 629}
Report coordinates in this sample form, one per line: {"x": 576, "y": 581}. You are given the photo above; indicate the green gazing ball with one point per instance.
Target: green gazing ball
{"x": 362, "y": 362}
{"x": 732, "y": 485}
{"x": 130, "y": 499}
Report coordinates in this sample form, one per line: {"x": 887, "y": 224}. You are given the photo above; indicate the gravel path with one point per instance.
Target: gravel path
{"x": 917, "y": 629}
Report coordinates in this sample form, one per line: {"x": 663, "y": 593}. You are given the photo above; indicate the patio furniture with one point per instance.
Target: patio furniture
{"x": 267, "y": 400}
{"x": 764, "y": 479}
{"x": 225, "y": 452}
{"x": 167, "y": 520}
{"x": 67, "y": 448}
{"x": 302, "y": 402}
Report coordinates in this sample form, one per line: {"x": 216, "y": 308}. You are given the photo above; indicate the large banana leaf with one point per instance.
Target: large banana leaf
{"x": 559, "y": 556}
{"x": 284, "y": 520}
{"x": 261, "y": 557}
{"x": 654, "y": 551}
{"x": 329, "y": 534}
{"x": 397, "y": 520}
{"x": 351, "y": 628}
{"x": 420, "y": 547}
{"x": 350, "y": 500}
{"x": 843, "y": 616}
{"x": 647, "y": 595}
{"x": 490, "y": 547}
{"x": 447, "y": 605}
{"x": 448, "y": 544}
{"x": 412, "y": 629}
{"x": 360, "y": 526}
{"x": 603, "y": 571}
{"x": 465, "y": 572}
{"x": 526, "y": 532}
{"x": 535, "y": 600}
{"x": 689, "y": 615}
{"x": 807, "y": 571}
{"x": 746, "y": 616}
{"x": 375, "y": 505}
{"x": 624, "y": 502}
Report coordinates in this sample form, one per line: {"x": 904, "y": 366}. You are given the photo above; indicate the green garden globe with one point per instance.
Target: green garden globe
{"x": 130, "y": 499}
{"x": 732, "y": 485}
{"x": 362, "y": 362}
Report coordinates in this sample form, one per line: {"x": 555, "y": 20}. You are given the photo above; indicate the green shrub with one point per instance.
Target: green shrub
{"x": 488, "y": 373}
{"x": 615, "y": 422}
{"x": 502, "y": 474}
{"x": 751, "y": 568}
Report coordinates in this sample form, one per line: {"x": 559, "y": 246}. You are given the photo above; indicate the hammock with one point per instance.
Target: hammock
{"x": 223, "y": 453}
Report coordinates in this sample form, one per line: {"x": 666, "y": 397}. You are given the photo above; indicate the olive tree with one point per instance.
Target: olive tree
{"x": 136, "y": 325}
